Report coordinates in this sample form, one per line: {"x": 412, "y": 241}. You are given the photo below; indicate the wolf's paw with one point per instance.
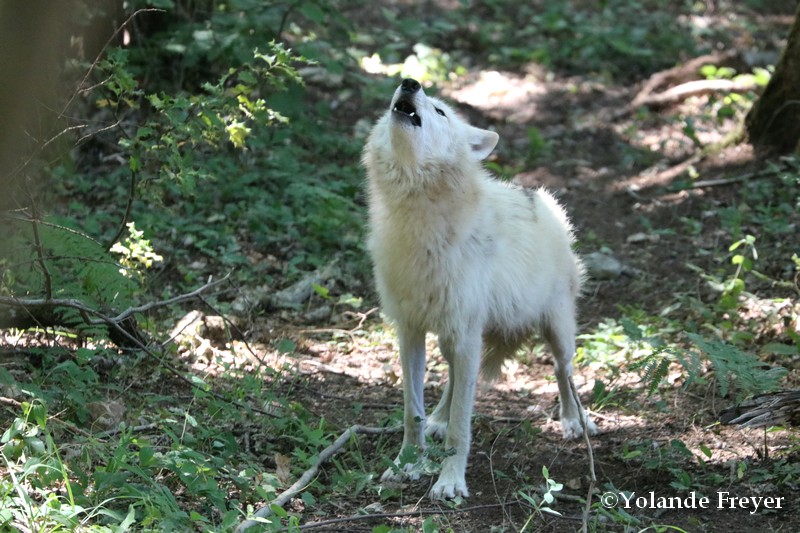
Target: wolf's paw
{"x": 447, "y": 488}
{"x": 436, "y": 428}
{"x": 573, "y": 429}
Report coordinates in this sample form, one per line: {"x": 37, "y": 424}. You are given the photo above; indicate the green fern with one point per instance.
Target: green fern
{"x": 66, "y": 264}
{"x": 738, "y": 370}
{"x": 655, "y": 368}
{"x": 735, "y": 371}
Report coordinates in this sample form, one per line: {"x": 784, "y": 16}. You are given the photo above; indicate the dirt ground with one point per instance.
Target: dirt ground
{"x": 514, "y": 431}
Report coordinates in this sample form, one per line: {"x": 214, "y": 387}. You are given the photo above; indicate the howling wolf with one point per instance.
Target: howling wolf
{"x": 479, "y": 263}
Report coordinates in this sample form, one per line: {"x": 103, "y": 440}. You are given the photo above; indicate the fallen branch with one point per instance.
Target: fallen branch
{"x": 681, "y": 73}
{"x": 42, "y": 312}
{"x": 694, "y": 88}
{"x": 677, "y": 77}
{"x": 773, "y": 170}
{"x": 13, "y": 301}
{"x": 309, "y": 474}
{"x": 120, "y": 326}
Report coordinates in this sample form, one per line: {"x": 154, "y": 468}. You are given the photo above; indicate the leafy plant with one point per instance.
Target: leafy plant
{"x": 548, "y": 497}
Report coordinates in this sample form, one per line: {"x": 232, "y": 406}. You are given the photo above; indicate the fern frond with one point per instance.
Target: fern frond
{"x": 738, "y": 370}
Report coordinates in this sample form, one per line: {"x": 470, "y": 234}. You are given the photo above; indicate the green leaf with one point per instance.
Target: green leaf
{"x": 780, "y": 349}
{"x": 313, "y": 11}
{"x": 324, "y": 292}
{"x": 286, "y": 346}
{"x": 146, "y": 454}
{"x": 409, "y": 455}
{"x": 279, "y": 511}
{"x": 706, "y": 451}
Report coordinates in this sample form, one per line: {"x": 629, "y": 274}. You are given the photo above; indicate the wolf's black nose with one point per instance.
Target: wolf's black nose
{"x": 410, "y": 86}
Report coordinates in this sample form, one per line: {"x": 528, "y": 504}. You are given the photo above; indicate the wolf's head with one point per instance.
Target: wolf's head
{"x": 422, "y": 131}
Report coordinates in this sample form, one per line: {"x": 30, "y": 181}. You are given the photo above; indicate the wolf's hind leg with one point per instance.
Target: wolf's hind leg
{"x": 436, "y": 425}
{"x": 560, "y": 333}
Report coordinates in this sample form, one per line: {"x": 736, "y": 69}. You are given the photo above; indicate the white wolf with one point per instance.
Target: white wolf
{"x": 477, "y": 262}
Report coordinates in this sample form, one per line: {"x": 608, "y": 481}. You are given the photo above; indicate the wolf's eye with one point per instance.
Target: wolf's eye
{"x": 440, "y": 111}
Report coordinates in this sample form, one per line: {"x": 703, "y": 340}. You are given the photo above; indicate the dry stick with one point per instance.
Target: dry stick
{"x": 176, "y": 299}
{"x": 37, "y": 243}
{"x": 590, "y": 453}
{"x": 309, "y": 474}
{"x": 126, "y": 215}
{"x": 694, "y": 88}
{"x": 773, "y": 170}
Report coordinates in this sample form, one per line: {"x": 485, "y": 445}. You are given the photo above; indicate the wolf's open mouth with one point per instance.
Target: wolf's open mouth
{"x": 406, "y": 108}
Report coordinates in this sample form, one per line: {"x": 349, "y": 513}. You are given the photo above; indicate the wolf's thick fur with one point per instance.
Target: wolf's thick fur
{"x": 477, "y": 262}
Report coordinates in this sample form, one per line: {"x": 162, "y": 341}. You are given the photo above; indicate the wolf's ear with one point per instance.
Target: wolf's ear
{"x": 482, "y": 142}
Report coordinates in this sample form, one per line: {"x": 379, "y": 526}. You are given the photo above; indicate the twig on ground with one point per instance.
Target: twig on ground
{"x": 10, "y": 401}
{"x": 134, "y": 429}
{"x": 309, "y": 474}
{"x": 766, "y": 173}
{"x": 590, "y": 453}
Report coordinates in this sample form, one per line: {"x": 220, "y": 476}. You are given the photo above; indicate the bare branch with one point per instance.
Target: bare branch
{"x": 176, "y": 299}
{"x": 102, "y": 51}
{"x": 12, "y": 301}
{"x": 309, "y": 474}
{"x": 695, "y": 88}
{"x": 37, "y": 245}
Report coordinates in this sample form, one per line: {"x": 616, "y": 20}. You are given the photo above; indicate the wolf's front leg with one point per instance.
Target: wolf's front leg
{"x": 464, "y": 355}
{"x": 412, "y": 361}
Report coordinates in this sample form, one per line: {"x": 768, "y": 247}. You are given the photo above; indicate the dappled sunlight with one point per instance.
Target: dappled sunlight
{"x": 511, "y": 95}
{"x": 427, "y": 64}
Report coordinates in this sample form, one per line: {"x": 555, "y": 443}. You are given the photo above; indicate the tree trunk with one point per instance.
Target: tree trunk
{"x": 773, "y": 124}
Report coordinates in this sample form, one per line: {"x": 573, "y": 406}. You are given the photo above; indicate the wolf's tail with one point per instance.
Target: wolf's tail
{"x": 497, "y": 347}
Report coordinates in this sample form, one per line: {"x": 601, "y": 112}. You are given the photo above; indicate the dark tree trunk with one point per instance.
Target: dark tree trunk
{"x": 773, "y": 124}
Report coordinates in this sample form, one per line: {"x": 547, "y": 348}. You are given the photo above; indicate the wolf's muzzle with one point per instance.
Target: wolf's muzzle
{"x": 404, "y": 108}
